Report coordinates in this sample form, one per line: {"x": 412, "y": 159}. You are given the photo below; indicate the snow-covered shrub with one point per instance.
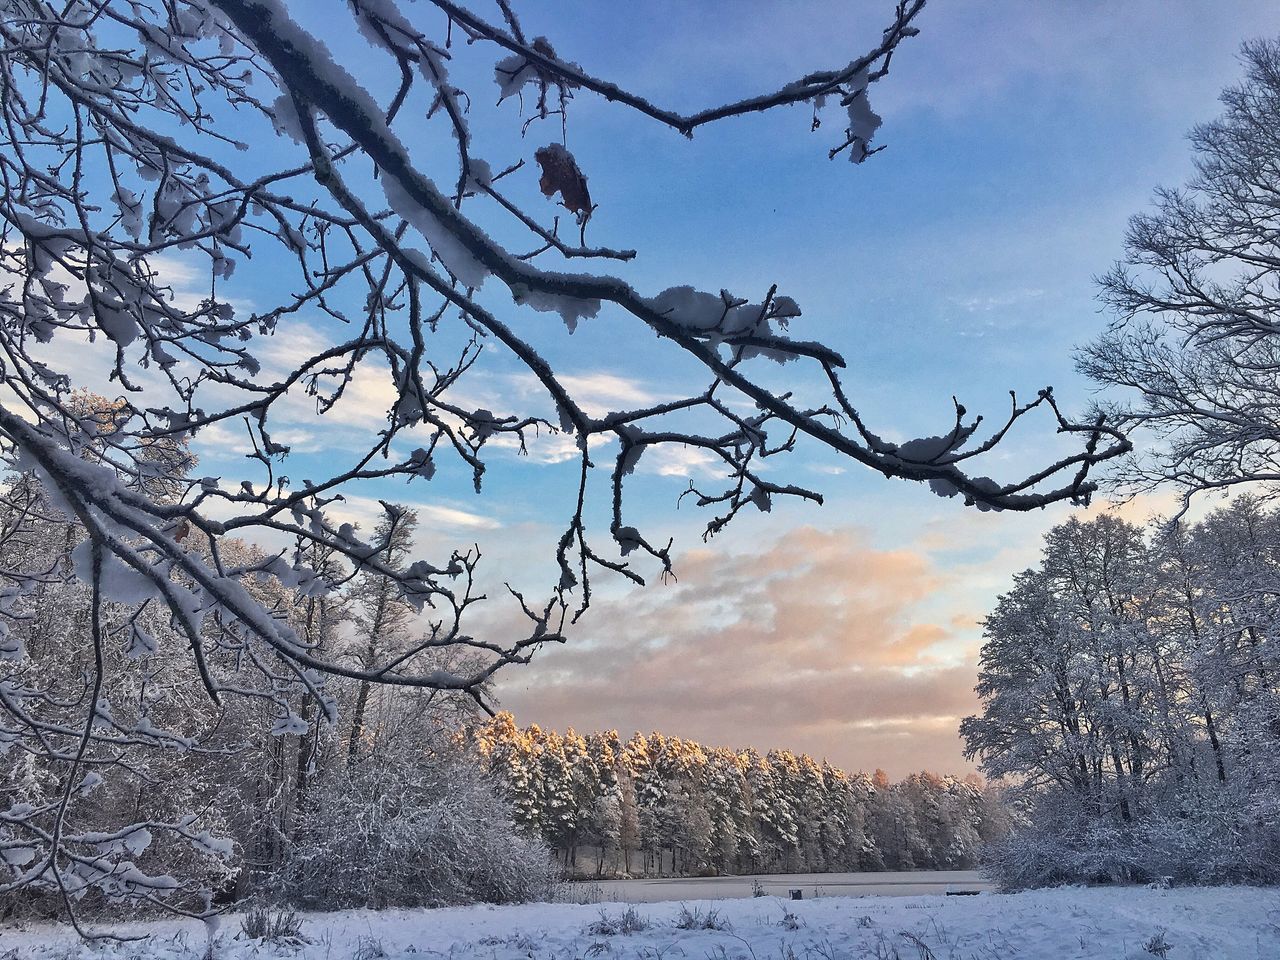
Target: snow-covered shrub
{"x": 789, "y": 920}
{"x": 699, "y": 919}
{"x": 1208, "y": 836}
{"x": 1213, "y": 833}
{"x": 276, "y": 925}
{"x": 425, "y": 832}
{"x": 1058, "y": 845}
{"x": 628, "y": 921}
{"x": 1158, "y": 945}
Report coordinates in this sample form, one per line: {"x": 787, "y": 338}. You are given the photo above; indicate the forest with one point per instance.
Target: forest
{"x": 660, "y": 805}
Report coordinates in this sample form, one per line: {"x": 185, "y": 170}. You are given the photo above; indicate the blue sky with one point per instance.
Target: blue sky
{"x": 1020, "y": 137}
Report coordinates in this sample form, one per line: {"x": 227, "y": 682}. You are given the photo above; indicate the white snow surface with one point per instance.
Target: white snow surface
{"x": 1213, "y": 923}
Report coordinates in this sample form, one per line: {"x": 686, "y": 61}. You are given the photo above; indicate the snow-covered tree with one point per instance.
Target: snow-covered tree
{"x": 383, "y": 618}
{"x": 1192, "y": 356}
{"x": 1129, "y": 693}
{"x": 1194, "y": 350}
{"x": 511, "y": 757}
{"x": 241, "y": 803}
{"x": 671, "y": 806}
{"x": 428, "y": 830}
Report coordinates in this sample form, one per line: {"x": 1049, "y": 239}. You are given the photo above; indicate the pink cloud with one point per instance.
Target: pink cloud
{"x": 813, "y": 643}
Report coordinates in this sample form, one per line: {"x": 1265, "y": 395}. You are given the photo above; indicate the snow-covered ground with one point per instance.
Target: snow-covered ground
{"x": 1072, "y": 924}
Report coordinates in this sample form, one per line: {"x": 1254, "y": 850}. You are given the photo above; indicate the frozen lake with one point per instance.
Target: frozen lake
{"x": 909, "y": 883}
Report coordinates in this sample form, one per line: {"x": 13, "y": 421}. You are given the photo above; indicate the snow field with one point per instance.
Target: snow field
{"x": 1213, "y": 923}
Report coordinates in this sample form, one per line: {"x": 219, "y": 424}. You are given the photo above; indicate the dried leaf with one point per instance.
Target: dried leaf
{"x": 560, "y": 174}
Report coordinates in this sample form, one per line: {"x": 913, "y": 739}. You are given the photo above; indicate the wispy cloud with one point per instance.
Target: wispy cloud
{"x": 670, "y": 460}
{"x": 189, "y": 282}
{"x": 985, "y": 303}
{"x": 598, "y": 392}
{"x": 432, "y": 517}
{"x": 602, "y": 392}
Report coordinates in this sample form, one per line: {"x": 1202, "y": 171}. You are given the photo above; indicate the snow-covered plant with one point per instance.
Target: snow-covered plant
{"x": 312, "y": 189}
{"x": 699, "y": 919}
{"x": 403, "y": 831}
{"x": 674, "y": 806}
{"x": 628, "y": 921}
{"x": 1158, "y": 945}
{"x": 1129, "y": 698}
{"x": 274, "y": 925}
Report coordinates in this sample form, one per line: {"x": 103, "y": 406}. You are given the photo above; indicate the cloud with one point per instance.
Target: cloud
{"x": 985, "y": 303}
{"x": 221, "y": 437}
{"x": 370, "y": 395}
{"x": 812, "y": 642}
{"x": 817, "y": 640}
{"x": 669, "y": 460}
{"x": 365, "y": 402}
{"x": 188, "y": 279}
{"x": 546, "y": 446}
{"x": 602, "y": 393}
{"x": 432, "y": 517}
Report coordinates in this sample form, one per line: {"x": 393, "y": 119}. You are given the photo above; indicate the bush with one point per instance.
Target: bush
{"x": 401, "y": 834}
{"x": 273, "y": 925}
{"x": 696, "y": 919}
{"x": 629, "y": 921}
{"x": 1212, "y": 835}
{"x": 1157, "y": 945}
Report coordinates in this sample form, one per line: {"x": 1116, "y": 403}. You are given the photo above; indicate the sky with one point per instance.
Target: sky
{"x": 1020, "y": 137}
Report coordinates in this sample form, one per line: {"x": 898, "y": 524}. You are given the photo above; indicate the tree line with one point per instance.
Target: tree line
{"x": 663, "y": 805}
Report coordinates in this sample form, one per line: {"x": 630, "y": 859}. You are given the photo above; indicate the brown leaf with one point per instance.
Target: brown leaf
{"x": 560, "y": 174}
